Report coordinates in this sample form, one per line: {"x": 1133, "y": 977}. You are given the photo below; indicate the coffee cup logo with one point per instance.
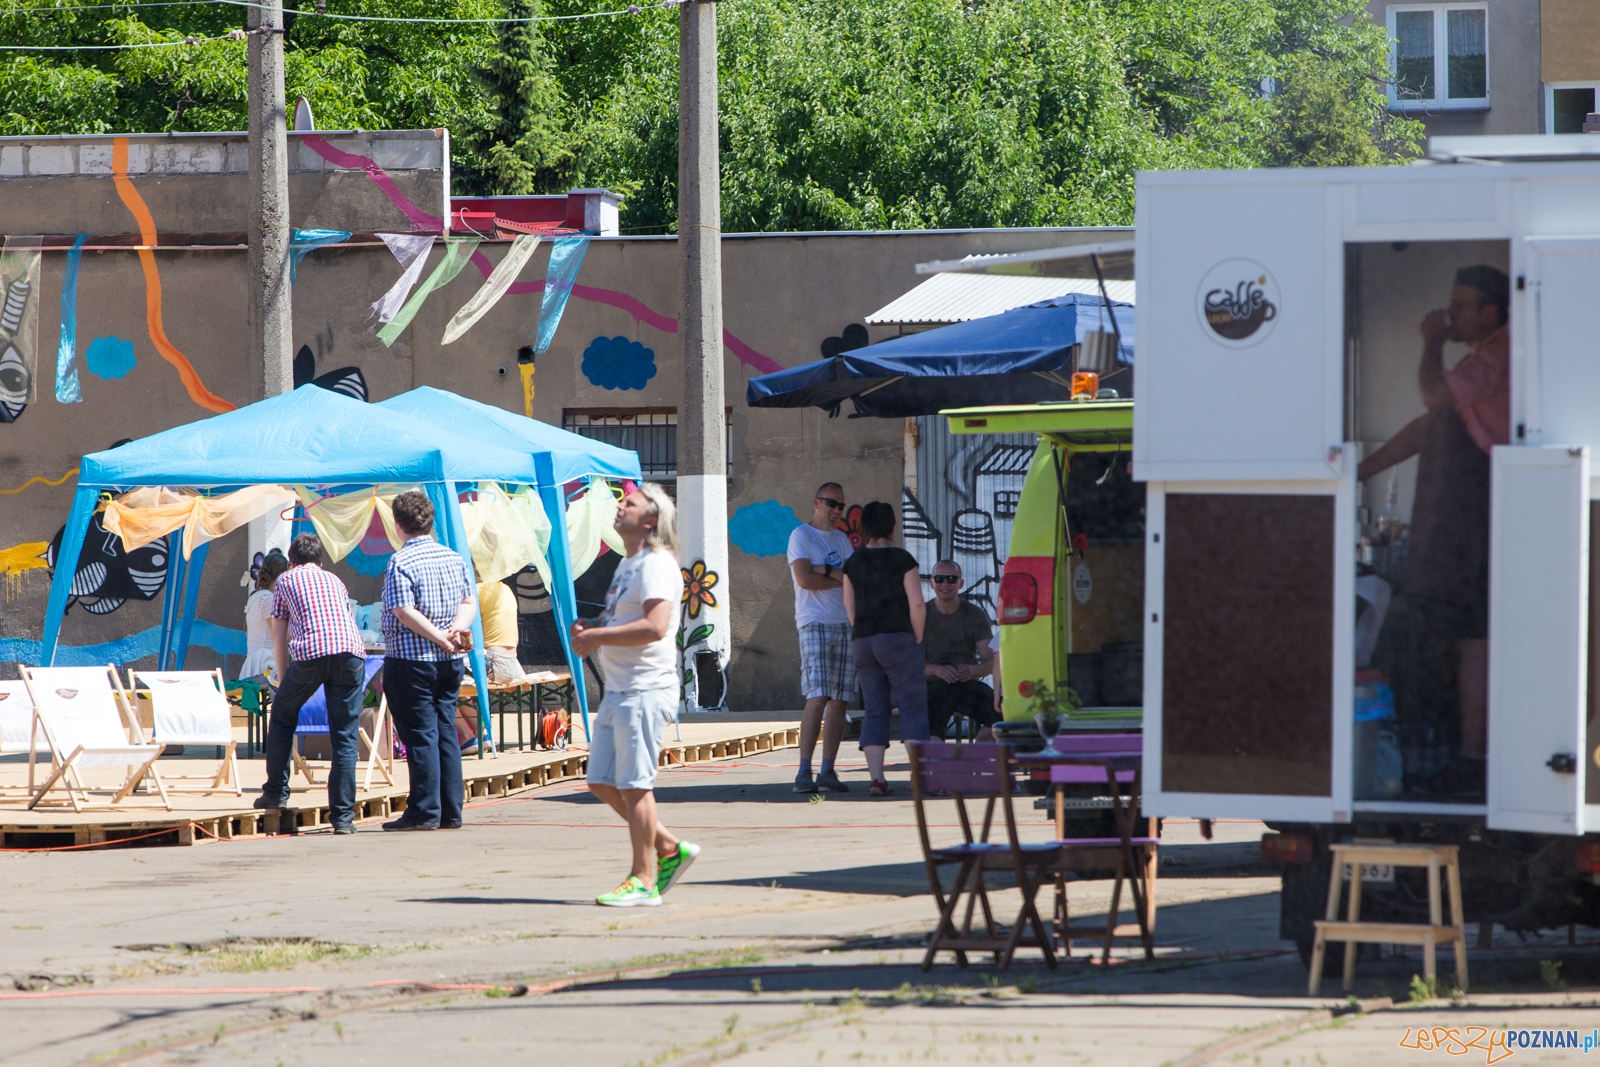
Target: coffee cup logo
{"x": 1238, "y": 302}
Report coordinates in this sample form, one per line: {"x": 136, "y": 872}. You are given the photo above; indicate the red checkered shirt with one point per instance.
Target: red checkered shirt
{"x": 318, "y": 609}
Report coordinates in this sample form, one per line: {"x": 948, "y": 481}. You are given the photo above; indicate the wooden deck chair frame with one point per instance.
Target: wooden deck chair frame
{"x": 33, "y": 741}
{"x": 380, "y": 747}
{"x": 64, "y": 769}
{"x": 226, "y": 780}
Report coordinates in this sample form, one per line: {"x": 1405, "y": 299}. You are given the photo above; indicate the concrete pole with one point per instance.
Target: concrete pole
{"x": 268, "y": 313}
{"x": 702, "y": 463}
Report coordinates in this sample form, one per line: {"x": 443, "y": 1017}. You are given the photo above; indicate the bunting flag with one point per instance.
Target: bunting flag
{"x": 303, "y": 241}
{"x": 19, "y": 324}
{"x": 493, "y": 288}
{"x": 412, "y": 252}
{"x": 458, "y": 252}
{"x": 561, "y": 274}
{"x": 68, "y": 391}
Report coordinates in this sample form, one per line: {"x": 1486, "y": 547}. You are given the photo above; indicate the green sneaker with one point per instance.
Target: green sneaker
{"x": 670, "y": 868}
{"x": 630, "y": 894}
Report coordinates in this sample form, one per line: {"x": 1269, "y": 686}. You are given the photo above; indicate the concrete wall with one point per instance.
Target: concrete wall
{"x": 1516, "y": 91}
{"x": 784, "y": 295}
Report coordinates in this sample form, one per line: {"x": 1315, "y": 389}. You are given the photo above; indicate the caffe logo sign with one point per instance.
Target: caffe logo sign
{"x": 1238, "y": 302}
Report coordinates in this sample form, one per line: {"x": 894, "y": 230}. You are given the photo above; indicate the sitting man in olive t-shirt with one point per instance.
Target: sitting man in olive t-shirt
{"x": 955, "y": 644}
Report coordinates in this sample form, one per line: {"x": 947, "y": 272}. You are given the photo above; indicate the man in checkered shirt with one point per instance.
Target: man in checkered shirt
{"x": 315, "y": 644}
{"x": 428, "y": 605}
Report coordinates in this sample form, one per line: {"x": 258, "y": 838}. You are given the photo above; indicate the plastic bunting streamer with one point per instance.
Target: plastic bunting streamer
{"x": 342, "y": 521}
{"x": 412, "y": 252}
{"x": 68, "y": 391}
{"x": 458, "y": 253}
{"x": 303, "y": 241}
{"x": 146, "y": 515}
{"x": 499, "y": 534}
{"x": 590, "y": 521}
{"x": 19, "y": 324}
{"x": 493, "y": 288}
{"x": 560, "y": 276}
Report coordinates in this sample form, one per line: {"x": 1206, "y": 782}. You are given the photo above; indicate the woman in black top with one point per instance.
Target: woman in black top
{"x": 883, "y": 597}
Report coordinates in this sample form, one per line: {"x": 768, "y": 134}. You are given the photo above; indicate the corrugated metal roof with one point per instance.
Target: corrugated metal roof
{"x": 946, "y": 298}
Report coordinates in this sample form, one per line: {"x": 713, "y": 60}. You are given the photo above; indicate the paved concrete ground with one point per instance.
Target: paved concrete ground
{"x": 795, "y": 939}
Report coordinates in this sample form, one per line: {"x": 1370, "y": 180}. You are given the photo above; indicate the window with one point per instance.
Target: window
{"x": 1441, "y": 56}
{"x": 651, "y": 432}
{"x": 1567, "y": 105}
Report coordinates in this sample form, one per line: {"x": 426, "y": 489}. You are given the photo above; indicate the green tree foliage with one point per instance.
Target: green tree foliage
{"x": 883, "y": 115}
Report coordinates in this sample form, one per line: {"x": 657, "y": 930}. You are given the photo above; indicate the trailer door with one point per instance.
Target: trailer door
{"x": 1249, "y": 632}
{"x": 1538, "y": 637}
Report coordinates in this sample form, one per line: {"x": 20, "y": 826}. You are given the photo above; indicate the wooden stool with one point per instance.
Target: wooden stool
{"x": 1353, "y": 931}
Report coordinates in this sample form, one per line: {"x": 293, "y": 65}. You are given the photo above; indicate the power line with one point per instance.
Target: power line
{"x": 111, "y": 47}
{"x": 631, "y": 9}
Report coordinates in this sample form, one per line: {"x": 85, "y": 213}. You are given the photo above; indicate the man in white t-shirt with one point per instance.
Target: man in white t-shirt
{"x": 817, "y": 553}
{"x": 634, "y": 639}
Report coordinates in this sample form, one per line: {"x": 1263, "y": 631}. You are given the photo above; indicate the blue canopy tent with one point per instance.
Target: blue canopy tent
{"x": 1018, "y": 356}
{"x": 311, "y": 436}
{"x": 559, "y": 456}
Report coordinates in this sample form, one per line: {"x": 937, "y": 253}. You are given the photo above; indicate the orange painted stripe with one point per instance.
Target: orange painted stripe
{"x": 152, "y": 284}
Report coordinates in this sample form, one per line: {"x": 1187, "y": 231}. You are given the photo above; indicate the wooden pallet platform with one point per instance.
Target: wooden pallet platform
{"x": 199, "y": 818}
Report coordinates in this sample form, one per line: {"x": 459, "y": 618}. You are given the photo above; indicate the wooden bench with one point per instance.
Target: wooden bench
{"x": 1352, "y": 931}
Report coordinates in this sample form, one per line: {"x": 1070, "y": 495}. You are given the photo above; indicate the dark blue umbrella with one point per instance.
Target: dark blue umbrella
{"x": 1020, "y": 356}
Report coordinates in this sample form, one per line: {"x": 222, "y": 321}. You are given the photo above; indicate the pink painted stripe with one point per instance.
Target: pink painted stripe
{"x": 641, "y": 312}
{"x": 414, "y": 214}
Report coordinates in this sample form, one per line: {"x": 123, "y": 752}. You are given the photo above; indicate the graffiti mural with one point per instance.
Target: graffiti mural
{"x": 963, "y": 505}
{"x": 705, "y": 679}
{"x": 19, "y": 325}
{"x": 108, "y": 576}
{"x": 109, "y": 358}
{"x": 347, "y": 380}
{"x": 762, "y": 528}
{"x": 618, "y": 363}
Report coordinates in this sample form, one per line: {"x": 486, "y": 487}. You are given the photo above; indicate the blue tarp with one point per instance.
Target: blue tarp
{"x": 1018, "y": 356}
{"x": 314, "y": 436}
{"x": 311, "y": 436}
{"x": 573, "y": 457}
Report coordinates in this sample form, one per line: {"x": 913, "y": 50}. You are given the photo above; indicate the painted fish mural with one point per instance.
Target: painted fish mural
{"x": 108, "y": 576}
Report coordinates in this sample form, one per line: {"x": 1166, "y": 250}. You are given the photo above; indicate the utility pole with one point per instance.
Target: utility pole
{"x": 269, "y": 313}
{"x": 702, "y": 463}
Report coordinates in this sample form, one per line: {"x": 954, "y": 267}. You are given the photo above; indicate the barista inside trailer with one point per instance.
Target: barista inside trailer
{"x": 1433, "y": 645}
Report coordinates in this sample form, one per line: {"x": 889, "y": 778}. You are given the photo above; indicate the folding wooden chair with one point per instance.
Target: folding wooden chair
{"x": 978, "y": 770}
{"x": 77, "y": 709}
{"x": 16, "y": 728}
{"x": 191, "y": 708}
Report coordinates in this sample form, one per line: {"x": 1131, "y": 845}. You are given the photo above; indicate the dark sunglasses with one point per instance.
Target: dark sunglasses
{"x": 945, "y": 579}
{"x": 827, "y": 502}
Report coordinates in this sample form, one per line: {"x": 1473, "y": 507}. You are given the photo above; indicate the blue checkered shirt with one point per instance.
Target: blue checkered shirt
{"x": 431, "y": 578}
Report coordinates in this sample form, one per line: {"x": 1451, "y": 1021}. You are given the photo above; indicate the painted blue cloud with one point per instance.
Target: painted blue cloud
{"x": 618, "y": 363}
{"x": 763, "y": 528}
{"x": 110, "y": 357}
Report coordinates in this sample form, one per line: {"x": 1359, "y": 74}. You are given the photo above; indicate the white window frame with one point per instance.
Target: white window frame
{"x": 1550, "y": 99}
{"x": 1441, "y": 60}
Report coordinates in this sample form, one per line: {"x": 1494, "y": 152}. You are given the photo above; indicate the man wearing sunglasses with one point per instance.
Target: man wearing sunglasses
{"x": 817, "y": 553}
{"x": 956, "y": 643}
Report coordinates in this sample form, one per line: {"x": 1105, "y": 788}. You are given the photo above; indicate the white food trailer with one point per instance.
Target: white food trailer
{"x": 1279, "y": 320}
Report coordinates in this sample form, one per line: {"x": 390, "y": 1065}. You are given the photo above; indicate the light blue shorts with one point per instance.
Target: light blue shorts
{"x": 626, "y": 747}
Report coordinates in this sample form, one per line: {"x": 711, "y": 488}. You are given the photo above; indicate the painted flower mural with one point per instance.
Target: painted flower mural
{"x": 697, "y": 585}
{"x": 763, "y": 528}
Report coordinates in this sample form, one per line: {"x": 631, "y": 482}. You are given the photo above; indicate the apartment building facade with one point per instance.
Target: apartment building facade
{"x": 1493, "y": 66}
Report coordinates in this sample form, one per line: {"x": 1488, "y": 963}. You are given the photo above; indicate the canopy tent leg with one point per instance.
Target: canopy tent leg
{"x": 171, "y": 598}
{"x": 191, "y": 593}
{"x": 77, "y": 528}
{"x": 563, "y": 597}
{"x": 447, "y": 521}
